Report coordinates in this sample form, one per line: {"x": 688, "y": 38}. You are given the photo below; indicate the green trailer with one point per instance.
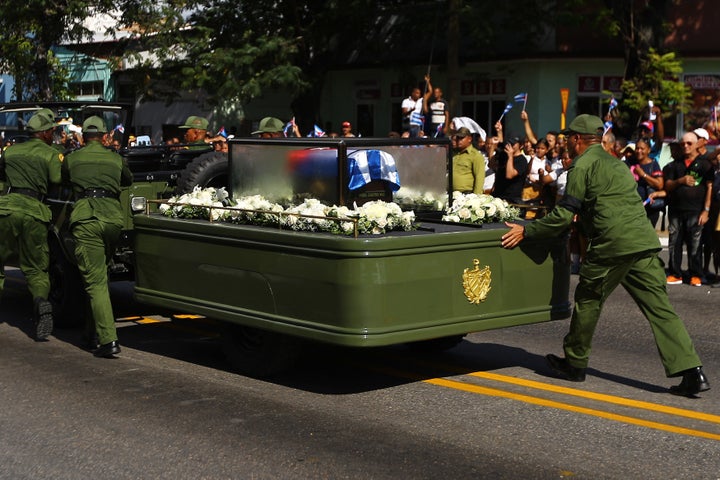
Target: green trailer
{"x": 271, "y": 286}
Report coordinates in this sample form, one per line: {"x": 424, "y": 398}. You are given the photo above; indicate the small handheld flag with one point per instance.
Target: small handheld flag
{"x": 508, "y": 107}
{"x": 289, "y": 127}
{"x": 521, "y": 97}
{"x": 316, "y": 132}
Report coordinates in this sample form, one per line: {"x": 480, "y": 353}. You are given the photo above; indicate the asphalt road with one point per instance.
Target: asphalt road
{"x": 171, "y": 407}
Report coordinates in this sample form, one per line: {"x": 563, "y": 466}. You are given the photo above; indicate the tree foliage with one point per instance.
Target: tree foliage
{"x": 29, "y": 30}
{"x": 657, "y": 80}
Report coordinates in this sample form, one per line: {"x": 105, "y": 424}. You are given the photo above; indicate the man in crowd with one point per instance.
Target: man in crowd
{"x": 688, "y": 183}
{"x": 437, "y": 110}
{"x": 96, "y": 174}
{"x": 412, "y": 111}
{"x": 468, "y": 164}
{"x": 623, "y": 250}
{"x": 28, "y": 169}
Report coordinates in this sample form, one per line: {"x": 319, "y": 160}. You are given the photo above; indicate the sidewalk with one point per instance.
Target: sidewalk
{"x": 663, "y": 236}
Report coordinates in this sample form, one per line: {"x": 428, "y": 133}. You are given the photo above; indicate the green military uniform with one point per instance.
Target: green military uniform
{"x": 96, "y": 174}
{"x": 623, "y": 250}
{"x": 468, "y": 174}
{"x": 28, "y": 168}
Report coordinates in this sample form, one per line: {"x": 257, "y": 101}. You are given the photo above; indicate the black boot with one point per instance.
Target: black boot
{"x": 564, "y": 369}
{"x": 693, "y": 382}
{"x": 107, "y": 350}
{"x": 42, "y": 319}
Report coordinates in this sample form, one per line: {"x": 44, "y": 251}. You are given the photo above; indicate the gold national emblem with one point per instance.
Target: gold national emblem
{"x": 476, "y": 282}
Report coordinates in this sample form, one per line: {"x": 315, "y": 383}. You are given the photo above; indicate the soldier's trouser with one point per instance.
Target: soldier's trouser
{"x": 26, "y": 236}
{"x": 95, "y": 244}
{"x": 643, "y": 276}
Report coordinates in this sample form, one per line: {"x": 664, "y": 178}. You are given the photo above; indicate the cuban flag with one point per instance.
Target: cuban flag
{"x": 287, "y": 131}
{"x": 120, "y": 128}
{"x": 520, "y": 97}
{"x": 417, "y": 119}
{"x": 368, "y": 165}
{"x": 613, "y": 104}
{"x": 508, "y": 107}
{"x": 316, "y": 132}
{"x": 222, "y": 132}
{"x": 608, "y": 126}
{"x": 439, "y": 130}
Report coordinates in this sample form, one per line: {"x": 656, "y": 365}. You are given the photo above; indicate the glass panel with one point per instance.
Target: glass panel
{"x": 413, "y": 173}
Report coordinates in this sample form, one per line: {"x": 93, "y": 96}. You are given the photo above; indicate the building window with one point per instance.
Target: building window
{"x": 592, "y": 96}
{"x": 86, "y": 89}
{"x": 483, "y": 101}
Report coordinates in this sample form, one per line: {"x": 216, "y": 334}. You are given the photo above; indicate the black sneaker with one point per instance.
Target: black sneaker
{"x": 564, "y": 369}
{"x": 43, "y": 319}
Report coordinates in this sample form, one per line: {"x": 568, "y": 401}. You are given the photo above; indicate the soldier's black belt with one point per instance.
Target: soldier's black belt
{"x": 98, "y": 193}
{"x": 28, "y": 192}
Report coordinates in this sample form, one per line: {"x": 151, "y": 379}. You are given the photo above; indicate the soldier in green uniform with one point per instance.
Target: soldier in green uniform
{"x": 623, "y": 250}
{"x": 468, "y": 174}
{"x": 96, "y": 174}
{"x": 28, "y": 168}
{"x": 196, "y": 132}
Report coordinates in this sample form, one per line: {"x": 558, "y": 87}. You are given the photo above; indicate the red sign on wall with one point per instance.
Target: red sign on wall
{"x": 588, "y": 84}
{"x": 498, "y": 86}
{"x": 613, "y": 84}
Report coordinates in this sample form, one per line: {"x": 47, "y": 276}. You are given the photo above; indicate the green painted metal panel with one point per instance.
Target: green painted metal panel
{"x": 366, "y": 291}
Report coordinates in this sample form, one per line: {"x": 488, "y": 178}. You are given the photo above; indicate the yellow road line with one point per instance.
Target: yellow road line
{"x": 564, "y": 406}
{"x": 599, "y": 397}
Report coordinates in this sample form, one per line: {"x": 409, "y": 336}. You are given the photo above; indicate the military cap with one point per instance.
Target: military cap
{"x": 462, "y": 132}
{"x": 94, "y": 124}
{"x": 198, "y": 123}
{"x": 41, "y": 122}
{"x": 47, "y": 112}
{"x": 269, "y": 125}
{"x": 586, "y": 125}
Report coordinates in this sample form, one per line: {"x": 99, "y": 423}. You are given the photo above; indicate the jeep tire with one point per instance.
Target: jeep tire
{"x": 207, "y": 170}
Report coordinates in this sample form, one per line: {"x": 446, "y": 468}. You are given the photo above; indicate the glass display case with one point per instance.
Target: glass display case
{"x": 412, "y": 173}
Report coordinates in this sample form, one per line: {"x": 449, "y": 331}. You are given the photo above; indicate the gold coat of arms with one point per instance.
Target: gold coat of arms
{"x": 476, "y": 282}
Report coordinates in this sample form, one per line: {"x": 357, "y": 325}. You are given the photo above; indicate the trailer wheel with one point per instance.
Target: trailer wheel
{"x": 67, "y": 294}
{"x": 437, "y": 344}
{"x": 206, "y": 170}
{"x": 258, "y": 353}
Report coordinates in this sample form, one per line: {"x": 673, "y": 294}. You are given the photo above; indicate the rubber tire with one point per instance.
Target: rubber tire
{"x": 437, "y": 344}
{"x": 67, "y": 293}
{"x": 258, "y": 353}
{"x": 207, "y": 170}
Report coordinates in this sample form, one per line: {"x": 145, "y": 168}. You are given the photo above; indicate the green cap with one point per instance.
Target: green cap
{"x": 94, "y": 124}
{"x": 198, "y": 123}
{"x": 40, "y": 122}
{"x": 586, "y": 125}
{"x": 47, "y": 112}
{"x": 269, "y": 125}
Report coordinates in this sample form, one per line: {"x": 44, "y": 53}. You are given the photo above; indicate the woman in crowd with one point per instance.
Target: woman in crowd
{"x": 649, "y": 178}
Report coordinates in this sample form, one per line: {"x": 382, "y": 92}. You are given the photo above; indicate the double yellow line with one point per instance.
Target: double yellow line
{"x": 477, "y": 389}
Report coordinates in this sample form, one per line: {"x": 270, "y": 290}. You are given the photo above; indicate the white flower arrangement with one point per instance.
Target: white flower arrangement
{"x": 194, "y": 204}
{"x": 375, "y": 217}
{"x": 408, "y": 197}
{"x": 482, "y": 208}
